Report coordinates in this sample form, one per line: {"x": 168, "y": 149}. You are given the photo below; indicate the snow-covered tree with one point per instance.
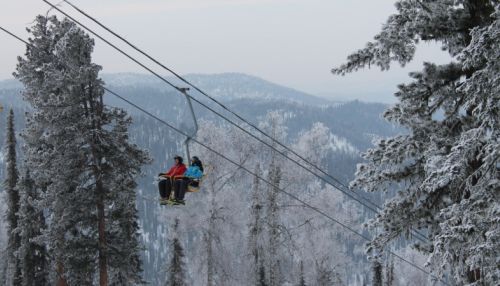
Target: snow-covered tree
{"x": 274, "y": 123}
{"x": 446, "y": 166}
{"x": 13, "y": 274}
{"x": 32, "y": 252}
{"x": 255, "y": 244}
{"x": 325, "y": 274}
{"x": 315, "y": 234}
{"x": 176, "y": 272}
{"x": 302, "y": 278}
{"x": 224, "y": 187}
{"x": 123, "y": 163}
{"x": 273, "y": 224}
{"x": 78, "y": 152}
{"x": 222, "y": 250}
{"x": 377, "y": 272}
{"x": 389, "y": 275}
{"x": 3, "y": 238}
{"x": 262, "y": 281}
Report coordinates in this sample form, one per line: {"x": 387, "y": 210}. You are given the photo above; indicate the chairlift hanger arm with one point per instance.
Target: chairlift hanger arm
{"x": 195, "y": 121}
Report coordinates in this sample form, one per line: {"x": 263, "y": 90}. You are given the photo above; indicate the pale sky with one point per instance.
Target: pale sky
{"x": 290, "y": 42}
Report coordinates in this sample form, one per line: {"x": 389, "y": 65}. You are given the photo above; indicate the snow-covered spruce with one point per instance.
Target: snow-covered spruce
{"x": 13, "y": 275}
{"x": 176, "y": 272}
{"x": 447, "y": 166}
{"x": 3, "y": 239}
{"x": 32, "y": 252}
{"x": 78, "y": 153}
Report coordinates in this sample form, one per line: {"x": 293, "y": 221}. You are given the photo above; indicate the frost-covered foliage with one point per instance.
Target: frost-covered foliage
{"x": 78, "y": 153}
{"x": 240, "y": 224}
{"x": 177, "y": 266}
{"x": 319, "y": 142}
{"x": 255, "y": 228}
{"x": 32, "y": 252}
{"x": 3, "y": 238}
{"x": 447, "y": 167}
{"x": 13, "y": 268}
{"x": 302, "y": 279}
{"x": 389, "y": 275}
{"x": 376, "y": 273}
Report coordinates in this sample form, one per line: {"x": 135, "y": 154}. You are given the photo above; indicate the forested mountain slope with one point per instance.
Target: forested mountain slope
{"x": 350, "y": 127}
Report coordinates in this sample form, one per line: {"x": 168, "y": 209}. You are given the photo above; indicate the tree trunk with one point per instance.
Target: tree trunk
{"x": 473, "y": 275}
{"x": 96, "y": 113}
{"x": 61, "y": 281}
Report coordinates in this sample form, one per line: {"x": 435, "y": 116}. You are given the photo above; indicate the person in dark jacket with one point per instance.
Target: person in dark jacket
{"x": 191, "y": 177}
{"x": 167, "y": 179}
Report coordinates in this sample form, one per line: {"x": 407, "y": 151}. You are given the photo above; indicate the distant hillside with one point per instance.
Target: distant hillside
{"x": 353, "y": 124}
{"x": 226, "y": 86}
{"x": 250, "y": 96}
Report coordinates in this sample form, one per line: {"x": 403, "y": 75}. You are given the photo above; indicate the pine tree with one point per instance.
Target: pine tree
{"x": 14, "y": 274}
{"x": 124, "y": 161}
{"x": 3, "y": 238}
{"x": 275, "y": 125}
{"x": 177, "y": 268}
{"x": 376, "y": 272}
{"x": 78, "y": 151}
{"x": 262, "y": 275}
{"x": 389, "y": 271}
{"x": 326, "y": 274}
{"x": 447, "y": 164}
{"x": 302, "y": 279}
{"x": 32, "y": 253}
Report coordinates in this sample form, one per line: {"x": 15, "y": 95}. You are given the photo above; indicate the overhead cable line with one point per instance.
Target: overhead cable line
{"x": 223, "y": 106}
{"x": 183, "y": 91}
{"x": 276, "y": 187}
{"x": 343, "y": 188}
{"x": 346, "y": 190}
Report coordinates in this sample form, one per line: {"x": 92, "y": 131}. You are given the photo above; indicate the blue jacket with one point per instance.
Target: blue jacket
{"x": 193, "y": 172}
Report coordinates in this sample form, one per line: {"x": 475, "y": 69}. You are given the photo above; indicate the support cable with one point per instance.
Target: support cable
{"x": 343, "y": 188}
{"x": 276, "y": 187}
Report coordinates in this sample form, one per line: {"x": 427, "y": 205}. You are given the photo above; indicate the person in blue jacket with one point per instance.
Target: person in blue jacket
{"x": 191, "y": 177}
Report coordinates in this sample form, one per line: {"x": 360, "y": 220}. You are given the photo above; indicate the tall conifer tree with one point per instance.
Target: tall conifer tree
{"x": 32, "y": 251}
{"x": 13, "y": 275}
{"x": 446, "y": 166}
{"x": 176, "y": 275}
{"x": 78, "y": 151}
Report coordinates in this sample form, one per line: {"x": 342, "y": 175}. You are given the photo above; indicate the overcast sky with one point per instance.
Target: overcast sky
{"x": 289, "y": 42}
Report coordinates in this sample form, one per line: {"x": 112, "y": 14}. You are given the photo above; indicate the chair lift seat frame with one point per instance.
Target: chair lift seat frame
{"x": 193, "y": 189}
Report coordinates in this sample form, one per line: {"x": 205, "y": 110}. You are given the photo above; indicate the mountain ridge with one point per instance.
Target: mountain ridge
{"x": 228, "y": 85}
{"x": 225, "y": 86}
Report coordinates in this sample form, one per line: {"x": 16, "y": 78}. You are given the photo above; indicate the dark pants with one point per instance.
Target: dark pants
{"x": 165, "y": 188}
{"x": 181, "y": 185}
